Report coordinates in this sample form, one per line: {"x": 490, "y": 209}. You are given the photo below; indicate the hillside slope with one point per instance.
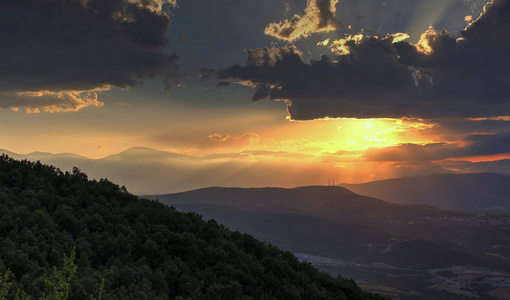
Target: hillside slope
{"x": 139, "y": 248}
{"x": 460, "y": 192}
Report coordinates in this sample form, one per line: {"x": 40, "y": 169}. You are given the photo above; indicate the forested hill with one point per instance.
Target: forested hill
{"x": 63, "y": 236}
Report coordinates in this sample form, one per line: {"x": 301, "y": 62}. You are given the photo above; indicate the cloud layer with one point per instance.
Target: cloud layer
{"x": 373, "y": 76}
{"x": 471, "y": 146}
{"x": 227, "y": 141}
{"x": 58, "y": 54}
{"x": 319, "y": 17}
{"x": 47, "y": 101}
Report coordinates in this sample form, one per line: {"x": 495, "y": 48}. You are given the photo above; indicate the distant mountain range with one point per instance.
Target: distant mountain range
{"x": 459, "y": 192}
{"x": 333, "y": 222}
{"x": 149, "y": 171}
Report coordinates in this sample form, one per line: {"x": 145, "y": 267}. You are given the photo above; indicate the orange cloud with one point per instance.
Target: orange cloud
{"x": 153, "y": 5}
{"x": 342, "y": 46}
{"x": 49, "y": 101}
{"x": 223, "y": 141}
{"x": 319, "y": 17}
{"x": 427, "y": 38}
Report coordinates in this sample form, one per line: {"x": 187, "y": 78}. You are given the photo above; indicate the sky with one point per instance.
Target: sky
{"x": 357, "y": 90}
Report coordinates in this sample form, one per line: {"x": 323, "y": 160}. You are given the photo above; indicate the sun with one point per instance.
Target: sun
{"x": 343, "y": 135}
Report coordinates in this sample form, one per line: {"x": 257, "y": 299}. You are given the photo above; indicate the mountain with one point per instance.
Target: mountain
{"x": 63, "y": 236}
{"x": 334, "y": 203}
{"x": 459, "y": 192}
{"x": 347, "y": 233}
{"x": 149, "y": 171}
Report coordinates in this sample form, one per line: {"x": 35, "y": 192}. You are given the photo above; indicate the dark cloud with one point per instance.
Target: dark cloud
{"x": 80, "y": 46}
{"x": 488, "y": 144}
{"x": 411, "y": 152}
{"x": 319, "y": 17}
{"x": 369, "y": 82}
{"x": 440, "y": 77}
{"x": 498, "y": 166}
{"x": 206, "y": 73}
{"x": 474, "y": 145}
{"x": 454, "y": 129}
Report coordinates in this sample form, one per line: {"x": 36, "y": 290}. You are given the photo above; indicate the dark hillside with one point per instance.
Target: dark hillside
{"x": 335, "y": 203}
{"x": 140, "y": 249}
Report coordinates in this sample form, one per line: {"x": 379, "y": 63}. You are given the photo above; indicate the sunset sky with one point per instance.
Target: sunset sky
{"x": 365, "y": 89}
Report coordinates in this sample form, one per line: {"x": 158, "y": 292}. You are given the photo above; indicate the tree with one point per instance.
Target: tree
{"x": 6, "y": 284}
{"x": 58, "y": 284}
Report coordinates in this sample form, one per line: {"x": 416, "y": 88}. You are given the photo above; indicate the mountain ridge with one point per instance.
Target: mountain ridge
{"x": 461, "y": 192}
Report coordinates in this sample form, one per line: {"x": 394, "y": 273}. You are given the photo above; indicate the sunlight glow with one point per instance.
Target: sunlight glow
{"x": 349, "y": 137}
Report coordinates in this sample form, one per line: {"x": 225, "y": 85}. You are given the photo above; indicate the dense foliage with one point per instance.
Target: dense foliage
{"x": 63, "y": 236}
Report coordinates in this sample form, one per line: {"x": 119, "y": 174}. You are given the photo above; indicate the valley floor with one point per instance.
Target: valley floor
{"x": 456, "y": 282}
